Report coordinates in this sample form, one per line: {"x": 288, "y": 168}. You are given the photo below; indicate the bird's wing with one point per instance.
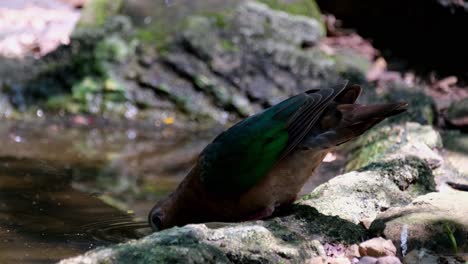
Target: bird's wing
{"x": 241, "y": 156}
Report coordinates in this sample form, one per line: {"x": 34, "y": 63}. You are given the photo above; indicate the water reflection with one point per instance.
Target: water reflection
{"x": 44, "y": 219}
{"x": 65, "y": 189}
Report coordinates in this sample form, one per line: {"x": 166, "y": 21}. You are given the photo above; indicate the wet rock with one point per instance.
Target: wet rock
{"x": 377, "y": 247}
{"x": 293, "y": 238}
{"x": 436, "y": 221}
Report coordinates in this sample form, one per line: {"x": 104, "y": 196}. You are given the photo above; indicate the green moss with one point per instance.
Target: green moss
{"x": 348, "y": 60}
{"x": 63, "y": 102}
{"x": 372, "y": 146}
{"x": 228, "y": 46}
{"x": 157, "y": 35}
{"x": 296, "y": 7}
{"x": 219, "y": 19}
{"x": 113, "y": 48}
{"x": 96, "y": 12}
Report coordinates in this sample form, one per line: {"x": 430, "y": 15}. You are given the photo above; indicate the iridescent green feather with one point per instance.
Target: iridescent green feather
{"x": 241, "y": 156}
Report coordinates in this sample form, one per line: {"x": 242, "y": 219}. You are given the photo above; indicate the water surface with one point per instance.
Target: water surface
{"x": 67, "y": 188}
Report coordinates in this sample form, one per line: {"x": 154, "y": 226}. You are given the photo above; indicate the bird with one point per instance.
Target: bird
{"x": 261, "y": 163}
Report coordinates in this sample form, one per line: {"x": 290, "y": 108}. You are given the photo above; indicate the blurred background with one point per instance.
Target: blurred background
{"x": 104, "y": 105}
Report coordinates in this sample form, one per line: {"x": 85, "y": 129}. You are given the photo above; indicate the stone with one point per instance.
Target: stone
{"x": 436, "y": 221}
{"x": 352, "y": 252}
{"x": 367, "y": 260}
{"x": 293, "y": 237}
{"x": 377, "y": 247}
{"x": 372, "y": 189}
{"x": 388, "y": 260}
{"x": 388, "y": 142}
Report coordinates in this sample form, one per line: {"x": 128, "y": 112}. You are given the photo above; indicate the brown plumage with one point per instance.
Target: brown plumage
{"x": 262, "y": 162}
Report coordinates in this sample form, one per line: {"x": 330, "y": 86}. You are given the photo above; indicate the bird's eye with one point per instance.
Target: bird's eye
{"x": 156, "y": 222}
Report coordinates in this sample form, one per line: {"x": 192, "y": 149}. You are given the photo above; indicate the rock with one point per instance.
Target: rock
{"x": 457, "y": 115}
{"x": 6, "y": 109}
{"x": 256, "y": 20}
{"x": 96, "y": 12}
{"x": 289, "y": 239}
{"x": 352, "y": 252}
{"x": 421, "y": 256}
{"x": 337, "y": 261}
{"x": 296, "y": 7}
{"x": 397, "y": 140}
{"x": 216, "y": 68}
{"x": 436, "y": 221}
{"x": 377, "y": 247}
{"x": 320, "y": 228}
{"x": 388, "y": 260}
{"x": 381, "y": 260}
{"x": 367, "y": 260}
{"x": 388, "y": 142}
{"x": 372, "y": 189}
{"x": 455, "y": 149}
{"x": 427, "y": 257}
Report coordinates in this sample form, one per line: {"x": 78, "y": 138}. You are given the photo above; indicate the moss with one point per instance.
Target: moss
{"x": 228, "y": 46}
{"x": 157, "y": 35}
{"x": 297, "y": 7}
{"x": 113, "y": 48}
{"x": 63, "y": 102}
{"x": 372, "y": 146}
{"x": 219, "y": 19}
{"x": 96, "y": 12}
{"x": 348, "y": 60}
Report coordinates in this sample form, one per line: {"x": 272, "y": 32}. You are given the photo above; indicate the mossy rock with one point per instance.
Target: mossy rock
{"x": 293, "y": 238}
{"x": 96, "y": 12}
{"x": 359, "y": 196}
{"x": 307, "y": 8}
{"x": 386, "y": 142}
{"x": 436, "y": 221}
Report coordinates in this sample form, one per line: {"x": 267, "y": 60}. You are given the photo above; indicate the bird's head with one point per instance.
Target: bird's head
{"x": 159, "y": 217}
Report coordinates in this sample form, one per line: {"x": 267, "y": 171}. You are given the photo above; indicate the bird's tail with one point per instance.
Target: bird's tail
{"x": 358, "y": 118}
{"x": 352, "y": 121}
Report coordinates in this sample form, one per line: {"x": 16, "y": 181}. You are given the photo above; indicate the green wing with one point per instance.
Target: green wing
{"x": 241, "y": 156}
